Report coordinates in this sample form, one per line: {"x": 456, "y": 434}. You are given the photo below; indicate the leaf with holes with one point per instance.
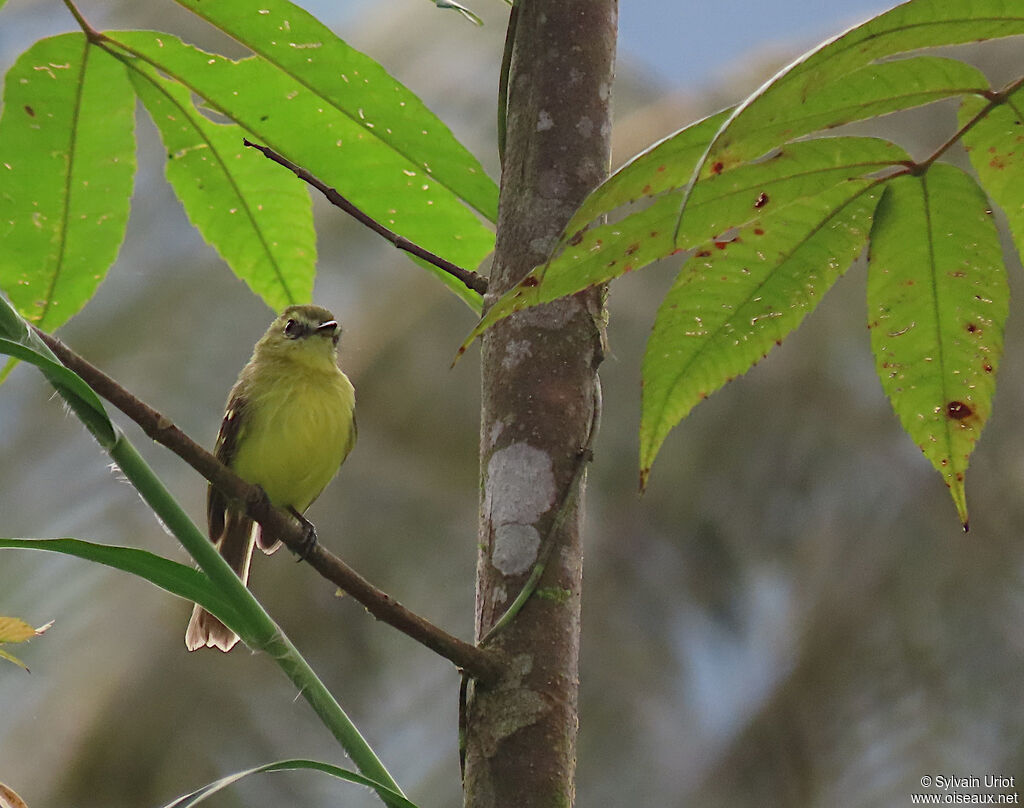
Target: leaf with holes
{"x": 257, "y": 217}
{"x": 67, "y": 162}
{"x": 734, "y": 199}
{"x": 996, "y": 147}
{"x": 937, "y": 304}
{"x": 347, "y": 147}
{"x": 734, "y": 301}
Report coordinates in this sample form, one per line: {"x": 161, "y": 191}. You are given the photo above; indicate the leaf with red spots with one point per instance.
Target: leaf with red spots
{"x": 938, "y": 340}
{"x": 802, "y": 170}
{"x": 675, "y": 156}
{"x": 787, "y": 109}
{"x": 729, "y": 308}
{"x": 849, "y": 78}
{"x": 996, "y": 147}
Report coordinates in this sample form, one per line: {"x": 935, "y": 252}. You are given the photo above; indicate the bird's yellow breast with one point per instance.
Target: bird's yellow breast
{"x": 299, "y": 427}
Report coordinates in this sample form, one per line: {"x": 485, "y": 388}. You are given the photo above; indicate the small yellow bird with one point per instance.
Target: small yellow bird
{"x": 289, "y": 425}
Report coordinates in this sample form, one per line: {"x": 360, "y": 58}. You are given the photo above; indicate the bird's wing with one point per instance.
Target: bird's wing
{"x": 231, "y": 428}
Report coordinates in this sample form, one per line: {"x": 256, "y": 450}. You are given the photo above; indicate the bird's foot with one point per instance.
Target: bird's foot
{"x": 309, "y": 540}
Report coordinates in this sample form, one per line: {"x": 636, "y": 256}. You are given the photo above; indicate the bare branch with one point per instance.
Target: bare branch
{"x": 472, "y": 280}
{"x": 483, "y": 665}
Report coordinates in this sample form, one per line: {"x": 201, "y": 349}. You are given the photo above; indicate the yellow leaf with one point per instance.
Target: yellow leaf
{"x": 14, "y": 630}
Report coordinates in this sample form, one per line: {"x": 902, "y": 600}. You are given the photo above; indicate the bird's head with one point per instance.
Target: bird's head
{"x": 305, "y": 333}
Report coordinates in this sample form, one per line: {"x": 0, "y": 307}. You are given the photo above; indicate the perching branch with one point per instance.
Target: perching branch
{"x": 472, "y": 280}
{"x": 481, "y": 664}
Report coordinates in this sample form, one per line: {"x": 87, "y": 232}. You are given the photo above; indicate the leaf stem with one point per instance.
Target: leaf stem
{"x": 472, "y": 280}
{"x": 506, "y": 66}
{"x": 995, "y": 99}
{"x": 91, "y": 33}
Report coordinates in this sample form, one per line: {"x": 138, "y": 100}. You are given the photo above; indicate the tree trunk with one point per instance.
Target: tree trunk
{"x": 539, "y": 384}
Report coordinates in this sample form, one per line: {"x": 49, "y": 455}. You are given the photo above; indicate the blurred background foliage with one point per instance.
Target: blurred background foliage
{"x": 790, "y": 615}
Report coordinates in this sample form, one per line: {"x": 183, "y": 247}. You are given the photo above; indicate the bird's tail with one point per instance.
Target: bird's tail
{"x": 235, "y": 545}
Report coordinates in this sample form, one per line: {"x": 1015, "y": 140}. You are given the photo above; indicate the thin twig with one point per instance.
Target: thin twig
{"x": 995, "y": 98}
{"x": 475, "y": 661}
{"x": 506, "y": 66}
{"x": 472, "y": 280}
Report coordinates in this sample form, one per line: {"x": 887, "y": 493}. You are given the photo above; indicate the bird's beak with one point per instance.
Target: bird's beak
{"x": 330, "y": 326}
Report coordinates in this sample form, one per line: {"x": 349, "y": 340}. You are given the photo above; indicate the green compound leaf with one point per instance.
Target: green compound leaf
{"x": 345, "y": 147}
{"x": 67, "y": 162}
{"x": 870, "y": 91}
{"x": 734, "y": 301}
{"x": 257, "y": 217}
{"x": 816, "y": 90}
{"x": 304, "y": 48}
{"x": 996, "y": 147}
{"x": 734, "y": 199}
{"x": 937, "y": 304}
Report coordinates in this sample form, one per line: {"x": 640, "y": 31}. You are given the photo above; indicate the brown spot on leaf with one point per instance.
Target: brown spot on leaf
{"x": 632, "y": 248}
{"x": 717, "y": 167}
{"x": 654, "y": 234}
{"x": 661, "y": 168}
{"x": 31, "y": 112}
{"x": 702, "y": 253}
{"x": 721, "y": 244}
{"x": 761, "y": 201}
{"x": 577, "y": 237}
{"x": 646, "y": 189}
{"x": 971, "y": 328}
{"x": 529, "y": 280}
{"x": 957, "y": 410}
{"x": 758, "y": 231}
{"x": 987, "y": 367}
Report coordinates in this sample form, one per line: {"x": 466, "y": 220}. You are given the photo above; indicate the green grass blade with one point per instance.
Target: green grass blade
{"x": 937, "y": 304}
{"x": 994, "y": 144}
{"x": 67, "y": 163}
{"x": 337, "y": 146}
{"x": 257, "y": 217}
{"x": 734, "y": 199}
{"x": 733, "y": 302}
{"x": 18, "y": 341}
{"x": 178, "y": 579}
{"x": 393, "y": 797}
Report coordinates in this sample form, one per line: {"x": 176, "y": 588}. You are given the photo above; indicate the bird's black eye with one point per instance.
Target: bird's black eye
{"x": 293, "y": 330}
